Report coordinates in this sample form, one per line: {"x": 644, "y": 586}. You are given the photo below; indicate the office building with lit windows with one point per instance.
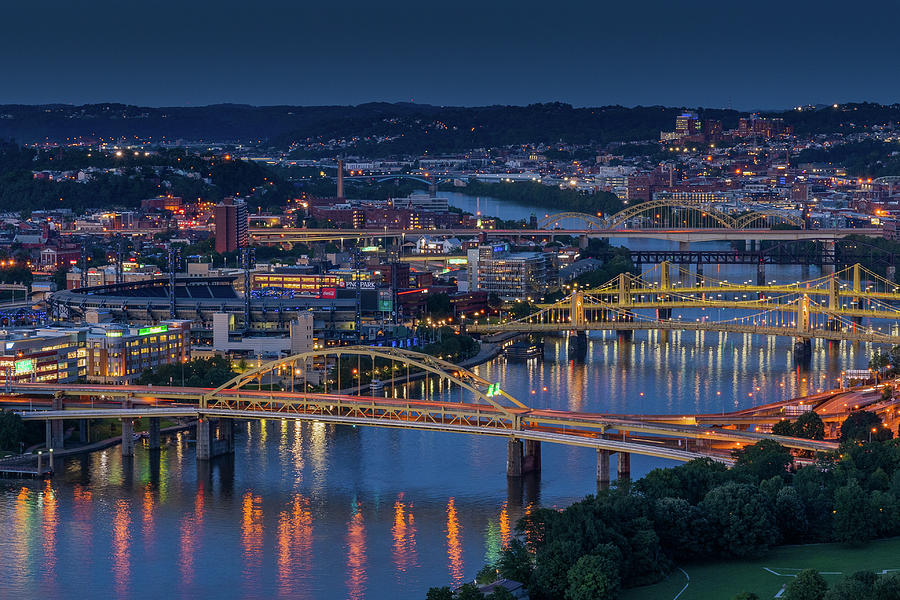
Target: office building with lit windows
{"x": 102, "y": 353}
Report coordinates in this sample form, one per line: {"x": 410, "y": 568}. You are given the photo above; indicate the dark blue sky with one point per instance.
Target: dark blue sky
{"x": 752, "y": 54}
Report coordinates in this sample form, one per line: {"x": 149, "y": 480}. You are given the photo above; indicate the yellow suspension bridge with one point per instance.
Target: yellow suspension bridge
{"x": 852, "y": 304}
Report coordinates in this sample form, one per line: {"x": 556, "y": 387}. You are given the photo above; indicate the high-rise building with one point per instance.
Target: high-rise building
{"x": 231, "y": 225}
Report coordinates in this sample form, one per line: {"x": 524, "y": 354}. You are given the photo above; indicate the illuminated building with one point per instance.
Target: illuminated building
{"x": 105, "y": 353}
{"x": 231, "y": 225}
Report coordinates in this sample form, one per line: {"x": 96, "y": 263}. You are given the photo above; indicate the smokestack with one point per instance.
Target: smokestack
{"x": 340, "y": 190}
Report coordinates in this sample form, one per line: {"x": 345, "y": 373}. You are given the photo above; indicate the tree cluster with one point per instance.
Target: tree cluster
{"x": 634, "y": 534}
{"x": 862, "y": 585}
{"x": 197, "y": 372}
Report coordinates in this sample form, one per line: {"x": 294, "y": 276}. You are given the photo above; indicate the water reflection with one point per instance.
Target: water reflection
{"x": 454, "y": 543}
{"x": 294, "y": 541}
{"x": 121, "y": 548}
{"x": 251, "y": 538}
{"x": 403, "y": 533}
{"x": 356, "y": 555}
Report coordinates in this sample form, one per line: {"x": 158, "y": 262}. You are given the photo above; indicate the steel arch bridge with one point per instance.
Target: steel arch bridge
{"x": 487, "y": 411}
{"x": 480, "y": 388}
{"x": 702, "y": 215}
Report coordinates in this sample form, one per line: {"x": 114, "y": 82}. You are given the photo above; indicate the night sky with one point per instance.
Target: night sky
{"x": 725, "y": 53}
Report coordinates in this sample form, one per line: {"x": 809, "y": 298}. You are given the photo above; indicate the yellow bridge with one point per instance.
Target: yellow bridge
{"x": 853, "y": 304}
{"x": 451, "y": 399}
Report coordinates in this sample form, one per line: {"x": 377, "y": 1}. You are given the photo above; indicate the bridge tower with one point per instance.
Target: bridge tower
{"x": 855, "y": 302}
{"x": 624, "y": 303}
{"x": 578, "y": 344}
{"x": 803, "y": 345}
{"x": 665, "y": 284}
{"x": 834, "y": 304}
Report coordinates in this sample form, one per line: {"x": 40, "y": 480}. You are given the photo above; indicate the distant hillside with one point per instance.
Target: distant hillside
{"x": 381, "y": 129}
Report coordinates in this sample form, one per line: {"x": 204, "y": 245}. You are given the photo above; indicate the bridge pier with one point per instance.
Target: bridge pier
{"x": 531, "y": 462}
{"x": 578, "y": 344}
{"x": 127, "y": 437}
{"x": 623, "y": 466}
{"x": 625, "y": 335}
{"x": 663, "y": 314}
{"x": 153, "y": 430}
{"x": 203, "y": 445}
{"x": 84, "y": 431}
{"x": 760, "y": 273}
{"x": 602, "y": 469}
{"x": 891, "y": 273}
{"x": 514, "y": 458}
{"x": 54, "y": 434}
{"x": 699, "y": 277}
{"x": 802, "y": 351}
{"x": 209, "y": 445}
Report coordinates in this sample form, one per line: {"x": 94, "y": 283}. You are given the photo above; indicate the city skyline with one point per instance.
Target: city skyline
{"x": 771, "y": 57}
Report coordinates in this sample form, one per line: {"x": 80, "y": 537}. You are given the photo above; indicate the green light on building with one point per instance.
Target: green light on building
{"x": 152, "y": 330}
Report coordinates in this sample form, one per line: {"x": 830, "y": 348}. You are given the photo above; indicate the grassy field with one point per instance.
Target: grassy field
{"x": 721, "y": 581}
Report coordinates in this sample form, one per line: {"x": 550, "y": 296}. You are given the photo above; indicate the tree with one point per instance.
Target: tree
{"x": 595, "y": 576}
{"x": 790, "y": 515}
{"x": 809, "y": 426}
{"x": 879, "y": 362}
{"x": 500, "y": 593}
{"x": 487, "y": 574}
{"x": 783, "y": 427}
{"x": 807, "y": 585}
{"x": 516, "y": 562}
{"x": 859, "y": 586}
{"x": 887, "y": 587}
{"x": 854, "y": 519}
{"x": 439, "y": 593}
{"x": 742, "y": 517}
{"x": 469, "y": 591}
{"x": 683, "y": 529}
{"x": 763, "y": 460}
{"x": 12, "y": 430}
{"x": 862, "y": 426}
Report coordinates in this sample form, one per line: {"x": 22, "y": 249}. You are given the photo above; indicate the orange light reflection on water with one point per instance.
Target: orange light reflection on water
{"x": 504, "y": 526}
{"x": 121, "y": 548}
{"x": 251, "y": 537}
{"x": 404, "y": 534}
{"x": 356, "y": 556}
{"x": 294, "y": 542}
{"x": 49, "y": 525}
{"x": 454, "y": 543}
{"x": 189, "y": 530}
{"x": 147, "y": 513}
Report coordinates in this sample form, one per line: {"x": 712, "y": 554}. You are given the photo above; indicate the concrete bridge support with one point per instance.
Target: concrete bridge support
{"x": 84, "y": 431}
{"x": 209, "y": 444}
{"x": 623, "y": 468}
{"x": 602, "y": 469}
{"x": 55, "y": 432}
{"x": 578, "y": 344}
{"x": 203, "y": 439}
{"x": 127, "y": 437}
{"x": 760, "y": 273}
{"x": 153, "y": 431}
{"x": 699, "y": 277}
{"x": 891, "y": 273}
{"x": 802, "y": 351}
{"x": 531, "y": 462}
{"x": 514, "y": 458}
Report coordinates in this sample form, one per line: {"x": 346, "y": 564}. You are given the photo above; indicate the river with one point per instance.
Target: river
{"x": 325, "y": 512}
